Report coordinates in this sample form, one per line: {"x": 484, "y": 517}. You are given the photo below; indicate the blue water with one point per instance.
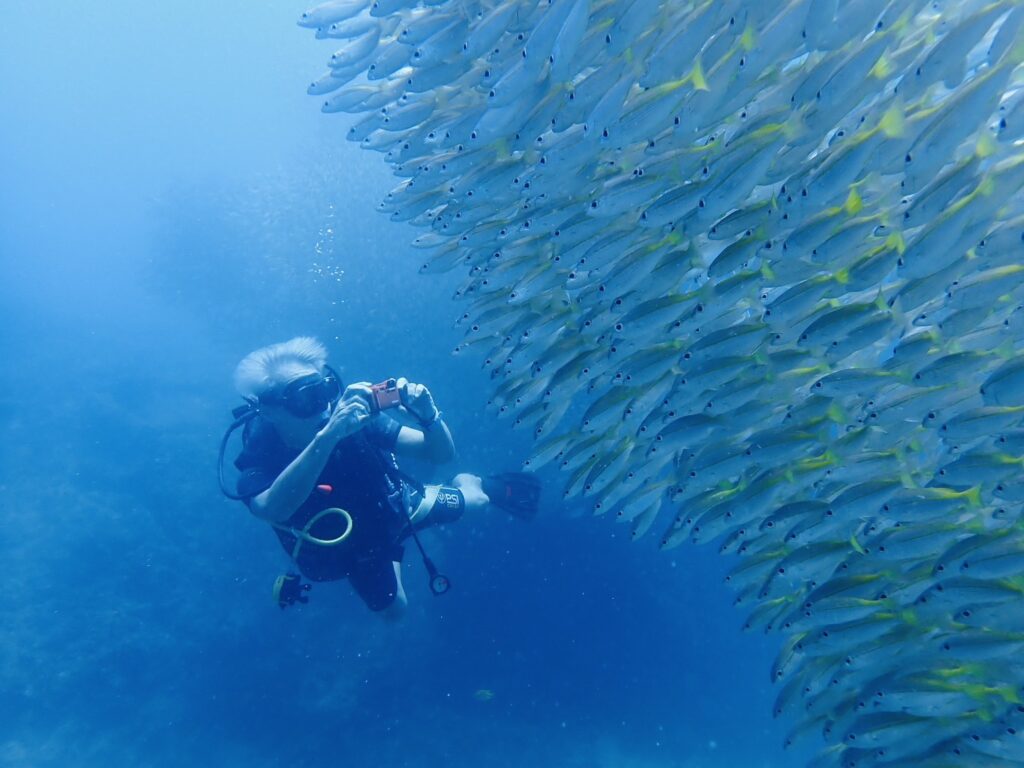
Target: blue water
{"x": 169, "y": 200}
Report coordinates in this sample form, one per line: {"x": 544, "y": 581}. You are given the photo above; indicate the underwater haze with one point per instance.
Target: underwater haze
{"x": 170, "y": 199}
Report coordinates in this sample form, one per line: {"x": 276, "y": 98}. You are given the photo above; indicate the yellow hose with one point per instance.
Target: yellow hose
{"x": 304, "y": 536}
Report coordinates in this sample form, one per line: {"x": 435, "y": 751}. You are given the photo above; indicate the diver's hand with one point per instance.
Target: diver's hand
{"x": 417, "y": 400}
{"x": 349, "y": 415}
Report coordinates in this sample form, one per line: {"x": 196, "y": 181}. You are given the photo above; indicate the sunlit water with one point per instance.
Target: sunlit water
{"x": 169, "y": 200}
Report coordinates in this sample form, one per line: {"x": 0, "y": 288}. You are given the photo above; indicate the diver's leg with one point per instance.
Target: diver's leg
{"x": 472, "y": 491}
{"x": 396, "y": 610}
{"x": 378, "y": 582}
{"x": 439, "y": 504}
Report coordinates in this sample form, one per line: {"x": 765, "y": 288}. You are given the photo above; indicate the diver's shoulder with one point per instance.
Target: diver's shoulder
{"x": 260, "y": 439}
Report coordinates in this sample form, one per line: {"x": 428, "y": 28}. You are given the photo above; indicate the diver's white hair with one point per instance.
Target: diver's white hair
{"x": 271, "y": 367}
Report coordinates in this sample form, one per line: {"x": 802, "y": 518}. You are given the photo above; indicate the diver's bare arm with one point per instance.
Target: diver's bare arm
{"x": 433, "y": 444}
{"x": 438, "y": 442}
{"x": 293, "y": 485}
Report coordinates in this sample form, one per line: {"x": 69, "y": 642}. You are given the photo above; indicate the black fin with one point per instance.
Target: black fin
{"x": 518, "y": 493}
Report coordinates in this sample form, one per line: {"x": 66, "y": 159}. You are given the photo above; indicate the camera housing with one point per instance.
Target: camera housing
{"x": 385, "y": 395}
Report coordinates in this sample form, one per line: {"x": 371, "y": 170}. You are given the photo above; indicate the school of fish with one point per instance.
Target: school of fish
{"x": 752, "y": 272}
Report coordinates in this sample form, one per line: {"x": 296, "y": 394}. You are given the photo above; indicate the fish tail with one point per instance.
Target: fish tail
{"x": 973, "y": 496}
{"x": 749, "y": 37}
{"x": 856, "y": 545}
{"x": 854, "y": 202}
{"x": 697, "y": 76}
{"x": 986, "y": 146}
{"x": 895, "y": 240}
{"x": 894, "y": 122}
{"x": 883, "y": 68}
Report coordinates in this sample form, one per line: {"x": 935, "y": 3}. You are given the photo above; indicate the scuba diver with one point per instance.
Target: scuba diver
{"x": 318, "y": 463}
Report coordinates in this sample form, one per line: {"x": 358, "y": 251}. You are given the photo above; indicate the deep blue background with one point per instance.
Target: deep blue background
{"x": 170, "y": 199}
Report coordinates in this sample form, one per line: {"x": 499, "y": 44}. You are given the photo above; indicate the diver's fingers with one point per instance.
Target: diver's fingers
{"x": 354, "y": 408}
{"x": 350, "y": 416}
{"x": 358, "y": 390}
{"x": 357, "y": 408}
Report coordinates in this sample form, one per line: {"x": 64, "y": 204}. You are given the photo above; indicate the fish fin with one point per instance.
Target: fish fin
{"x": 1016, "y": 54}
{"x": 1005, "y": 350}
{"x": 882, "y": 69}
{"x": 898, "y": 26}
{"x": 894, "y": 122}
{"x": 835, "y": 413}
{"x": 671, "y": 86}
{"x": 793, "y": 128}
{"x": 895, "y": 240}
{"x": 857, "y": 546}
{"x": 672, "y": 238}
{"x": 749, "y": 38}
{"x": 854, "y": 202}
{"x": 986, "y": 188}
{"x": 986, "y": 146}
{"x": 697, "y": 76}
{"x": 973, "y": 496}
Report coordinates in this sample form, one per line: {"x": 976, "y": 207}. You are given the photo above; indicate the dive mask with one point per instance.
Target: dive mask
{"x": 307, "y": 396}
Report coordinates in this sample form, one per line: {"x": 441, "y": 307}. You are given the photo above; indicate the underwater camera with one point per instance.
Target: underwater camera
{"x": 385, "y": 395}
